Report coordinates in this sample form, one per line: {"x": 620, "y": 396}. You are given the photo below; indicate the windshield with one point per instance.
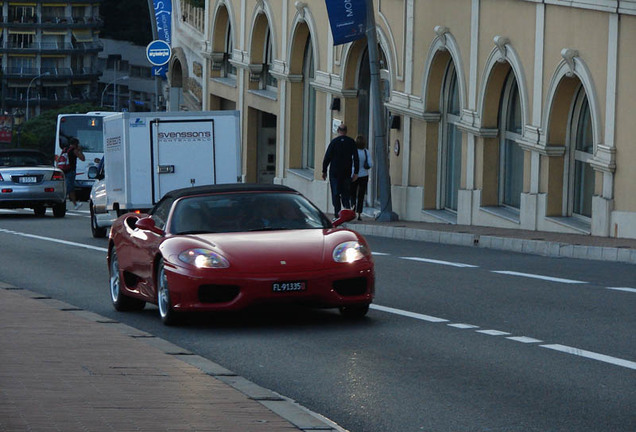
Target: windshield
{"x": 241, "y": 212}
{"x": 87, "y": 129}
{"x": 23, "y": 159}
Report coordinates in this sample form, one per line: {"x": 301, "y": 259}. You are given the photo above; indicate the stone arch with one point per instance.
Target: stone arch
{"x": 571, "y": 70}
{"x": 569, "y": 77}
{"x": 300, "y": 35}
{"x": 443, "y": 49}
{"x": 178, "y": 78}
{"x": 222, "y": 15}
{"x": 352, "y": 55}
{"x": 501, "y": 60}
{"x": 387, "y": 42}
{"x": 262, "y": 19}
{"x": 303, "y": 26}
{"x": 178, "y": 73}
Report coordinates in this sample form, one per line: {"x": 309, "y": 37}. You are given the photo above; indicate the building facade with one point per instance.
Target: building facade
{"x": 49, "y": 54}
{"x": 127, "y": 83}
{"x": 504, "y": 113}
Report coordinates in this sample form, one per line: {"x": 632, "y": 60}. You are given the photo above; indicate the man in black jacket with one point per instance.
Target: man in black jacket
{"x": 341, "y": 155}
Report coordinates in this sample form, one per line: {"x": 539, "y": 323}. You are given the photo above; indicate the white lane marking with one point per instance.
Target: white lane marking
{"x": 632, "y": 290}
{"x": 380, "y": 253}
{"x": 463, "y": 326}
{"x": 591, "y": 355}
{"x": 524, "y": 339}
{"x": 84, "y": 213}
{"x": 432, "y": 261}
{"x": 408, "y": 314}
{"x": 535, "y": 276}
{"x": 493, "y": 332}
{"x": 54, "y": 240}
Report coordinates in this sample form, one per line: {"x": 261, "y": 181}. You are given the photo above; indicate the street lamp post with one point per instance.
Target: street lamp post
{"x": 29, "y": 88}
{"x": 125, "y": 77}
{"x": 382, "y": 160}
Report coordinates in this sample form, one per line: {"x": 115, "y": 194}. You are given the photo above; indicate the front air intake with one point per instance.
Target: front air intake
{"x": 351, "y": 287}
{"x": 218, "y": 293}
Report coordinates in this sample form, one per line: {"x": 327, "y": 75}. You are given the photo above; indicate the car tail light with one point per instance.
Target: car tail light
{"x": 7, "y": 190}
{"x": 49, "y": 189}
{"x": 57, "y": 175}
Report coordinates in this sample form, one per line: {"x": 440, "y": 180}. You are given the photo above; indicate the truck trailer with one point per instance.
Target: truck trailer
{"x": 147, "y": 154}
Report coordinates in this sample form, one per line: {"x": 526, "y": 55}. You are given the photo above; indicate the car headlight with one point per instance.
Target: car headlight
{"x": 349, "y": 252}
{"x": 203, "y": 258}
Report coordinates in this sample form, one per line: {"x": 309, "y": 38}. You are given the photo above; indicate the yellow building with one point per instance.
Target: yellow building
{"x": 506, "y": 113}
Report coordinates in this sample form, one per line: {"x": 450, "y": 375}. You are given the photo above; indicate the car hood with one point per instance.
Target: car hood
{"x": 272, "y": 251}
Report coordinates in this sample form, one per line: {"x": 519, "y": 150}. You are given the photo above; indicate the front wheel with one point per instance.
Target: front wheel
{"x": 166, "y": 312}
{"x": 120, "y": 301}
{"x": 96, "y": 230}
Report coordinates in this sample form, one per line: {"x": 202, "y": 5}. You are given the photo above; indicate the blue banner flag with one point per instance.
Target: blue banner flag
{"x": 348, "y": 20}
{"x": 163, "y": 17}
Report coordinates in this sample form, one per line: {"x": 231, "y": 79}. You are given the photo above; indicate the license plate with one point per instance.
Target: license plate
{"x": 288, "y": 286}
{"x": 28, "y": 179}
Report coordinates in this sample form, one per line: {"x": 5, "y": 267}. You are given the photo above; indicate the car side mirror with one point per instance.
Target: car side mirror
{"x": 345, "y": 215}
{"x": 148, "y": 224}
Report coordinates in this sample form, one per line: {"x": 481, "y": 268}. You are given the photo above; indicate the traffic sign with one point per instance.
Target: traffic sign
{"x": 158, "y": 52}
{"x": 160, "y": 71}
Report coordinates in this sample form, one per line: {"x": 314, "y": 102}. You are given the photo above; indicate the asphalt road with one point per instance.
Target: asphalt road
{"x": 459, "y": 339}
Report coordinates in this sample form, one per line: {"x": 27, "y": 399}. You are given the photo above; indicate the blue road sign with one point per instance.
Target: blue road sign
{"x": 160, "y": 71}
{"x": 158, "y": 52}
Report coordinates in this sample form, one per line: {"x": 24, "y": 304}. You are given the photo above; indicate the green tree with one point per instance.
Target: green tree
{"x": 39, "y": 132}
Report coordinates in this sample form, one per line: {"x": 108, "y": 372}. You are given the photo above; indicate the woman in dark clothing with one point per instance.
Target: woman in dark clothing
{"x": 359, "y": 186}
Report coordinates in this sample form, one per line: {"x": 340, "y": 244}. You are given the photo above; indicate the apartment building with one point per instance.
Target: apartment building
{"x": 504, "y": 113}
{"x": 49, "y": 54}
{"x": 126, "y": 82}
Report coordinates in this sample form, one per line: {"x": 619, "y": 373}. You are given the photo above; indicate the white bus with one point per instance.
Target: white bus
{"x": 87, "y": 128}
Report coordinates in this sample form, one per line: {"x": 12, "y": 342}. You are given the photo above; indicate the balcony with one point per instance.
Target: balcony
{"x": 52, "y": 22}
{"x": 54, "y": 72}
{"x": 24, "y": 47}
{"x": 48, "y": 101}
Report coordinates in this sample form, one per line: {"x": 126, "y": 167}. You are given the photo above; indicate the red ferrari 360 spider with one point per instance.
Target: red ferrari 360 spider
{"x": 226, "y": 247}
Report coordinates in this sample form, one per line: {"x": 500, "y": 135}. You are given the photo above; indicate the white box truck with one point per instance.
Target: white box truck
{"x": 147, "y": 154}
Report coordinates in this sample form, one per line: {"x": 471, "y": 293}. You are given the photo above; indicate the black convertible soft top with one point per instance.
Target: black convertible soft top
{"x": 226, "y": 188}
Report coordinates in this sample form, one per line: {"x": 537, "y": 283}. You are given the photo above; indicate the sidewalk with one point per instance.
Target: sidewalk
{"x": 523, "y": 241}
{"x": 65, "y": 370}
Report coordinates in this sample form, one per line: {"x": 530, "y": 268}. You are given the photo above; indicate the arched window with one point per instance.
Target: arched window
{"x": 581, "y": 148}
{"x": 229, "y": 70}
{"x": 510, "y": 154}
{"x": 451, "y": 142}
{"x": 269, "y": 82}
{"x": 309, "y": 108}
